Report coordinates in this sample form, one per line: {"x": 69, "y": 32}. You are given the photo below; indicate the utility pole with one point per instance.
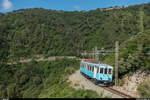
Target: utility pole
{"x": 116, "y": 63}
{"x": 93, "y": 54}
{"x": 96, "y": 54}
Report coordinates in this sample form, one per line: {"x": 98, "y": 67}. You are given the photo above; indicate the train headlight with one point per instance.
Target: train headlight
{"x": 109, "y": 79}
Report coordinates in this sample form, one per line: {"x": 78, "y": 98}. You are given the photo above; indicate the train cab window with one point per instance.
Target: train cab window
{"x": 105, "y": 71}
{"x": 109, "y": 71}
{"x": 97, "y": 70}
{"x": 101, "y": 70}
{"x": 82, "y": 65}
{"x": 92, "y": 69}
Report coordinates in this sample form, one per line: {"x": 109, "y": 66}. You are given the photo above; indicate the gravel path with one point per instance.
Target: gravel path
{"x": 79, "y": 81}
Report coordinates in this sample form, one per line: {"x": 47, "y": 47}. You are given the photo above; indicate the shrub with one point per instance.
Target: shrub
{"x": 11, "y": 91}
{"x": 37, "y": 80}
{"x": 69, "y": 70}
{"x": 144, "y": 89}
{"x": 24, "y": 78}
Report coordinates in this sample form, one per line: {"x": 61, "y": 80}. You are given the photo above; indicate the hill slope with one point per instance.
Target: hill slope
{"x": 39, "y": 31}
{"x": 40, "y": 80}
{"x": 29, "y": 32}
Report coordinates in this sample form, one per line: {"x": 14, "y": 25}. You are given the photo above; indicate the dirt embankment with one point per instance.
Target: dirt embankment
{"x": 130, "y": 84}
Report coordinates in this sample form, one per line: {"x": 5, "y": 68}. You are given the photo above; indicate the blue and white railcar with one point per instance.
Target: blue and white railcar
{"x": 99, "y": 73}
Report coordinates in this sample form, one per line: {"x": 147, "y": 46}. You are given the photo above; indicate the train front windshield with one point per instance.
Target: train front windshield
{"x": 109, "y": 71}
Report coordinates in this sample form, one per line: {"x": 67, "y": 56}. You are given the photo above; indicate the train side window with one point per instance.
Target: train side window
{"x": 98, "y": 70}
{"x": 105, "y": 71}
{"x": 90, "y": 68}
{"x": 109, "y": 71}
{"x": 101, "y": 70}
{"x": 93, "y": 68}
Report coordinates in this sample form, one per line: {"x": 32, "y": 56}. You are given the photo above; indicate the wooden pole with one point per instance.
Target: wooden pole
{"x": 116, "y": 63}
{"x": 93, "y": 54}
{"x": 96, "y": 54}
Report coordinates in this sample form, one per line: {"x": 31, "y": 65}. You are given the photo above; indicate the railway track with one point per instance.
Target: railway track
{"x": 117, "y": 92}
{"x": 110, "y": 89}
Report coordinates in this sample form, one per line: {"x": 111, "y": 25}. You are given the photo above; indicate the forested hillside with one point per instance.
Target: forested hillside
{"x": 40, "y": 80}
{"x": 134, "y": 55}
{"x": 39, "y": 31}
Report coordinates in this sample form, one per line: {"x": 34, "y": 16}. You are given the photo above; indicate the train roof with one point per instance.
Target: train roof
{"x": 97, "y": 64}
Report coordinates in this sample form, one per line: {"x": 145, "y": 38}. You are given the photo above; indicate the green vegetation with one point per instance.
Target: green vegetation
{"x": 29, "y": 32}
{"x": 143, "y": 89}
{"x": 134, "y": 55}
{"x": 40, "y": 79}
{"x": 58, "y": 33}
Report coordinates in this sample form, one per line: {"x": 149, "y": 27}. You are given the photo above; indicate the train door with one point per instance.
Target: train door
{"x": 95, "y": 70}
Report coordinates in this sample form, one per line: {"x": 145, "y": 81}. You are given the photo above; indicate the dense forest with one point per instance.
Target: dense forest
{"x": 39, "y": 31}
{"x": 40, "y": 80}
{"x": 25, "y": 33}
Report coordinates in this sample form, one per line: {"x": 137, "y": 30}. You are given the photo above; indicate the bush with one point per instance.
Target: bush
{"x": 37, "y": 80}
{"x": 24, "y": 78}
{"x": 144, "y": 89}
{"x": 11, "y": 93}
{"x": 69, "y": 70}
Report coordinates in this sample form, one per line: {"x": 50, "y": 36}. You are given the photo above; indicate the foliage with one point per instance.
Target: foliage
{"x": 28, "y": 32}
{"x": 143, "y": 89}
{"x": 133, "y": 54}
{"x": 60, "y": 33}
{"x": 40, "y": 79}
